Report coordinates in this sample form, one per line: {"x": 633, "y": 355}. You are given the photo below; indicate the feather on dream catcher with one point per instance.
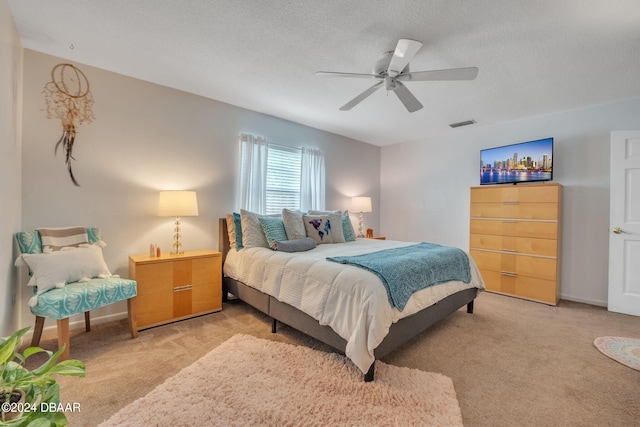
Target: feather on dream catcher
{"x": 69, "y": 99}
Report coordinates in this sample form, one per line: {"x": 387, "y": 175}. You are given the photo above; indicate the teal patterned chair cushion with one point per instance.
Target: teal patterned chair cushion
{"x": 80, "y": 297}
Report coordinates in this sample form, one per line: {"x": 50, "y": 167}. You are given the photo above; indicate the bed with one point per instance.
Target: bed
{"x": 268, "y": 281}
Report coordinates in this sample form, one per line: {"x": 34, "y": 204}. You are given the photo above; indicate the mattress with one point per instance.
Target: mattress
{"x": 350, "y": 300}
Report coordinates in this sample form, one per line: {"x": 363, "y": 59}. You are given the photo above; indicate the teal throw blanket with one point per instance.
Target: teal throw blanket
{"x": 406, "y": 270}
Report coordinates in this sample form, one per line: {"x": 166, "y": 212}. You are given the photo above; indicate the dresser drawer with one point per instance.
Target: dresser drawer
{"x": 539, "y": 229}
{"x": 521, "y": 286}
{"x": 515, "y": 265}
{"x": 547, "y": 193}
{"x": 519, "y": 245}
{"x": 515, "y": 210}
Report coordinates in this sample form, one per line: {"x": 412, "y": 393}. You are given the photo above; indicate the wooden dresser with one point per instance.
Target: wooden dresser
{"x": 515, "y": 239}
{"x": 176, "y": 287}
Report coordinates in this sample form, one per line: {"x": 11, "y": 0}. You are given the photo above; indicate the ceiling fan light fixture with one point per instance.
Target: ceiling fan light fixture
{"x": 393, "y": 69}
{"x": 389, "y": 83}
{"x": 465, "y": 123}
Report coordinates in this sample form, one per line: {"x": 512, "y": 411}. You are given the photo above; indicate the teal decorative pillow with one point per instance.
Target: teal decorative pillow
{"x": 29, "y": 242}
{"x": 273, "y": 228}
{"x": 347, "y": 228}
{"x": 318, "y": 228}
{"x": 237, "y": 227}
{"x": 252, "y": 233}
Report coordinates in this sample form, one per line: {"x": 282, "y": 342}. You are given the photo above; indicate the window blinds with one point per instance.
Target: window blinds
{"x": 283, "y": 178}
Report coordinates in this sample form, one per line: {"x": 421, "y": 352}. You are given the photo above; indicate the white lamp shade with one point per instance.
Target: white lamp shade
{"x": 178, "y": 203}
{"x": 361, "y": 204}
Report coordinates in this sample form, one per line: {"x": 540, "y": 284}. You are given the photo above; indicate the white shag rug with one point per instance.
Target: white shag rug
{"x": 248, "y": 381}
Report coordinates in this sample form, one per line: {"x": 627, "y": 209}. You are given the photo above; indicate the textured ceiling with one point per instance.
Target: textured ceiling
{"x": 535, "y": 57}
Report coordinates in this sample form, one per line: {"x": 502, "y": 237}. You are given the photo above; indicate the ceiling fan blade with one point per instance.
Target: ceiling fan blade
{"x": 358, "y": 99}
{"x": 410, "y": 102}
{"x": 468, "y": 73}
{"x": 404, "y": 53}
{"x": 356, "y": 75}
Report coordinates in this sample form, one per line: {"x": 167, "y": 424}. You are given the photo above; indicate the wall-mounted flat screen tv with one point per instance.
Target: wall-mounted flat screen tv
{"x": 529, "y": 161}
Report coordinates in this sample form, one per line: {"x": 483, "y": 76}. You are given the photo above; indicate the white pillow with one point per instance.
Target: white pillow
{"x": 61, "y": 267}
{"x": 252, "y": 232}
{"x": 293, "y": 224}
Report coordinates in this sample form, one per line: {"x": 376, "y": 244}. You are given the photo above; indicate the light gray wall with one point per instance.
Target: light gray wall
{"x": 425, "y": 186}
{"x": 148, "y": 138}
{"x": 10, "y": 117}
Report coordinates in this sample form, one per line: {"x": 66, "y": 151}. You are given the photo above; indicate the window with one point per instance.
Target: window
{"x": 273, "y": 177}
{"x": 284, "y": 166}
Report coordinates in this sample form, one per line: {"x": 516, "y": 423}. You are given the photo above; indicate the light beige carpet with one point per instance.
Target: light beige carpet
{"x": 252, "y": 381}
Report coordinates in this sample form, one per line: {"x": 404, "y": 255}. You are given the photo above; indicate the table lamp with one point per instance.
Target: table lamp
{"x": 178, "y": 204}
{"x": 361, "y": 205}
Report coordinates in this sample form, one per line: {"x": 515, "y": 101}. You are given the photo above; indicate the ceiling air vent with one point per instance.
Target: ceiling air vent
{"x": 465, "y": 123}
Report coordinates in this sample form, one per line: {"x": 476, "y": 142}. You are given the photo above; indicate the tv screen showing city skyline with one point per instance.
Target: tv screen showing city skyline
{"x": 522, "y": 162}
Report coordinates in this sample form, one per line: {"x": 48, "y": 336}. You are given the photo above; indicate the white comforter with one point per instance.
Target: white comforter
{"x": 351, "y": 300}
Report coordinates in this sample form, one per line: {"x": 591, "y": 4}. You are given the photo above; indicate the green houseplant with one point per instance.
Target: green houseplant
{"x": 32, "y": 397}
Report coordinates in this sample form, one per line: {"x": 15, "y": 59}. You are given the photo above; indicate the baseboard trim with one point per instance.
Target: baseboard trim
{"x": 74, "y": 325}
{"x": 584, "y": 301}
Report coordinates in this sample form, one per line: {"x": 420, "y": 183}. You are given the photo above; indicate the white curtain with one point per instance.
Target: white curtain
{"x": 253, "y": 173}
{"x": 312, "y": 189}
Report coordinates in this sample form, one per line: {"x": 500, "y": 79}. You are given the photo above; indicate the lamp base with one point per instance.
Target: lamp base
{"x": 177, "y": 245}
{"x": 361, "y": 226}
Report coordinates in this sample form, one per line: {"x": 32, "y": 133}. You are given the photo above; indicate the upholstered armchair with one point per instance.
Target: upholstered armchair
{"x": 69, "y": 276}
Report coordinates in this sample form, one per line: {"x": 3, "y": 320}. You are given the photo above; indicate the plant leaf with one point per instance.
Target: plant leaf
{"x": 70, "y": 367}
{"x": 8, "y": 347}
{"x": 53, "y": 359}
{"x": 33, "y": 350}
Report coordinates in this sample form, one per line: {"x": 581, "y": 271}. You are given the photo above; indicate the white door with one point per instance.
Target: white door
{"x": 624, "y": 226}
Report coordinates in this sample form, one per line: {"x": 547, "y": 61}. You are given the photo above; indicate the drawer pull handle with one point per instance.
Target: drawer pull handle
{"x": 506, "y": 202}
{"x": 508, "y": 273}
{"x": 182, "y": 288}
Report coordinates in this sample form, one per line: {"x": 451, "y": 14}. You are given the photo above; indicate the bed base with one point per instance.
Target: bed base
{"x": 399, "y": 333}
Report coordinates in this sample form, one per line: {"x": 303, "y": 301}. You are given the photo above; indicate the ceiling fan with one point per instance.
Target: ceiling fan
{"x": 393, "y": 69}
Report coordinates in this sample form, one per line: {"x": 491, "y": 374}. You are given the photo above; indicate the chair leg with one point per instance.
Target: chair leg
{"x": 87, "y": 321}
{"x": 37, "y": 331}
{"x": 63, "y": 337}
{"x": 133, "y": 324}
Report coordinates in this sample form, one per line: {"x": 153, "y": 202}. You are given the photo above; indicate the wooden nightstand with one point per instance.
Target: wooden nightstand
{"x": 378, "y": 237}
{"x": 176, "y": 287}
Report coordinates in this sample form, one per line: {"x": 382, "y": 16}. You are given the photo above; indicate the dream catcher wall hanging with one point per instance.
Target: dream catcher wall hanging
{"x": 69, "y": 99}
